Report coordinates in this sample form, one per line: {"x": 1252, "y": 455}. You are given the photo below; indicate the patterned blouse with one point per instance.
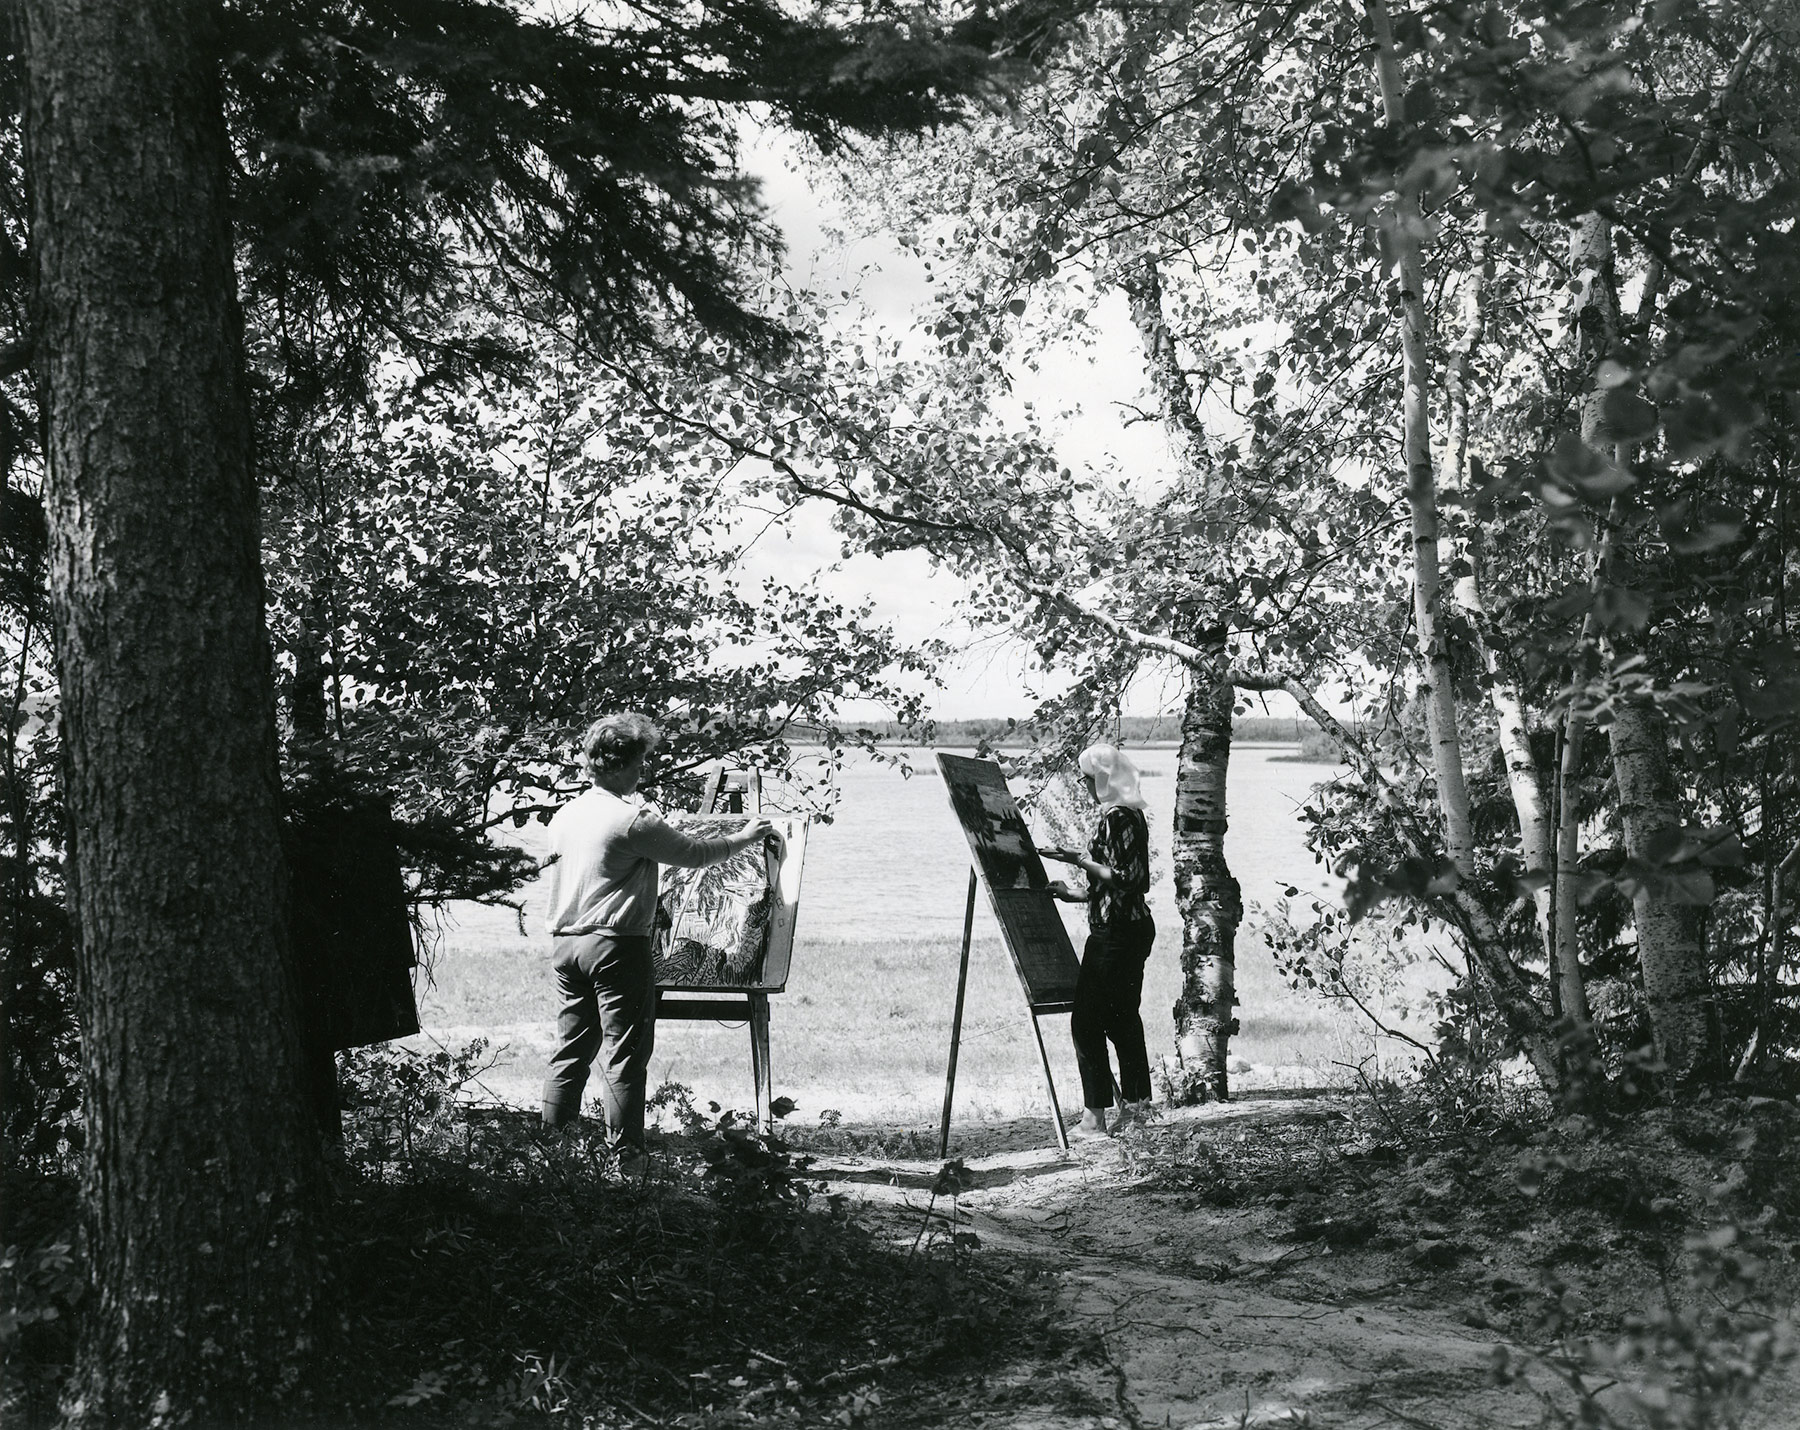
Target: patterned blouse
{"x": 1122, "y": 843}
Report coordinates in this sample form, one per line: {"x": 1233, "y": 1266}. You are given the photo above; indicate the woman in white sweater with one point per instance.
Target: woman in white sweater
{"x": 606, "y": 849}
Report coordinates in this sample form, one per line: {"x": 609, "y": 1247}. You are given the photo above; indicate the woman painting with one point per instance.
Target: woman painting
{"x": 606, "y": 849}
{"x": 1120, "y": 932}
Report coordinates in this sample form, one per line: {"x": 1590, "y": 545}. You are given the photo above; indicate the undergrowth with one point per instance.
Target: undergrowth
{"x": 491, "y": 1273}
{"x": 1640, "y": 1267}
{"x": 509, "y": 1273}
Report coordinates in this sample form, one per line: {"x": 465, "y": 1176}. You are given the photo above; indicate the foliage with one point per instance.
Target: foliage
{"x": 403, "y": 1107}
{"x": 460, "y": 581}
{"x": 42, "y": 1073}
{"x": 1607, "y": 495}
{"x": 749, "y": 1172}
{"x": 503, "y": 1269}
{"x": 1697, "y": 1361}
{"x": 383, "y": 145}
{"x": 41, "y": 1292}
{"x": 1181, "y": 1083}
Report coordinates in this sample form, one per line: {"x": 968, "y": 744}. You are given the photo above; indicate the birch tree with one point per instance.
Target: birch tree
{"x": 1270, "y": 156}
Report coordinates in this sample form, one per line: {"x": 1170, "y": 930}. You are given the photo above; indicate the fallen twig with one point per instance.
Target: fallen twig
{"x": 857, "y": 1372}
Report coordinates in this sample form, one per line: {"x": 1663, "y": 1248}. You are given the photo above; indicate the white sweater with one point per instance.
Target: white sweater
{"x": 604, "y": 853}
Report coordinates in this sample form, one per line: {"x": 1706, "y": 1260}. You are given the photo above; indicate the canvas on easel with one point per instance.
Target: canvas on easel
{"x": 726, "y": 935}
{"x": 1007, "y": 863}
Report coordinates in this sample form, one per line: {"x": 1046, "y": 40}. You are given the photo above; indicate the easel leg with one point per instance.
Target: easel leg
{"x": 759, "y": 1060}
{"x": 962, "y": 986}
{"x": 1062, "y": 1133}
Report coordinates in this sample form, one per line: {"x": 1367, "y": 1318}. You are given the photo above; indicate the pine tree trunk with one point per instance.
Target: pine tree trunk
{"x": 1208, "y": 897}
{"x": 1684, "y": 1015}
{"x": 202, "y": 1175}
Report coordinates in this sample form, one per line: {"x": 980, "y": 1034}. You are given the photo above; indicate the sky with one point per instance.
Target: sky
{"x": 1095, "y": 382}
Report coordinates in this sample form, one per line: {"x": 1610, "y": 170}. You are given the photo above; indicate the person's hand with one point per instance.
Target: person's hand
{"x": 760, "y": 829}
{"x": 1059, "y": 890}
{"x": 1062, "y": 856}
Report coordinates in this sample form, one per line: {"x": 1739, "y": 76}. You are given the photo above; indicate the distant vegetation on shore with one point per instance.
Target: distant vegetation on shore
{"x": 1131, "y": 730}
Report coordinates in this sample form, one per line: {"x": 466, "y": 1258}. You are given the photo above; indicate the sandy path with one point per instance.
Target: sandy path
{"x": 1184, "y": 1316}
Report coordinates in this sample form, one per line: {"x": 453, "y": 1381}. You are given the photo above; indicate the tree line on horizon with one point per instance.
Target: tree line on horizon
{"x": 1012, "y": 733}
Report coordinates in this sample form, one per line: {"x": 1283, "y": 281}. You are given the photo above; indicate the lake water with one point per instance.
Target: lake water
{"x": 894, "y": 861}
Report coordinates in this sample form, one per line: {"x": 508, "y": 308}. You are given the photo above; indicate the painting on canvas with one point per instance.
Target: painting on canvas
{"x": 730, "y": 925}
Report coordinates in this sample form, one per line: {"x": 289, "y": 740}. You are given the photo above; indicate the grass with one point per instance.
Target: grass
{"x": 864, "y": 1027}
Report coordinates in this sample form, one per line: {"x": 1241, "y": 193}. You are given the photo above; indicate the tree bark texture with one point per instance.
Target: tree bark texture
{"x": 1208, "y": 896}
{"x": 1421, "y": 485}
{"x": 202, "y": 1174}
{"x": 1684, "y": 1018}
{"x": 1684, "y": 1014}
{"x": 1144, "y": 293}
{"x": 1206, "y": 893}
{"x": 1512, "y": 733}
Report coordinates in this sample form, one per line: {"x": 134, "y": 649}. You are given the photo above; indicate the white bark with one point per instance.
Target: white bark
{"x": 1421, "y": 486}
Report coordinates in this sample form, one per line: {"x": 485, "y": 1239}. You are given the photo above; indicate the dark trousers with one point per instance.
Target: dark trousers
{"x": 608, "y": 988}
{"x": 1106, "y": 1009}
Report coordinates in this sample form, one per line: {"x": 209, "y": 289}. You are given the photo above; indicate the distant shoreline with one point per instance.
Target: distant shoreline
{"x": 1137, "y": 732}
{"x": 1005, "y": 733}
{"x": 1014, "y": 746}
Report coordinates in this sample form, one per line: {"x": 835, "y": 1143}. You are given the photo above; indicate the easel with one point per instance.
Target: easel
{"x": 1007, "y": 864}
{"x": 734, "y": 792}
{"x": 1034, "y": 1009}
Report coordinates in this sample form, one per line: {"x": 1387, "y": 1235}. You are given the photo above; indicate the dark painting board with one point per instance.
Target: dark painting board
{"x": 1015, "y": 880}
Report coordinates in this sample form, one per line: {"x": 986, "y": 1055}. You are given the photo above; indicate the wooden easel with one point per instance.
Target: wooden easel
{"x": 1034, "y": 1009}
{"x": 733, "y": 792}
{"x": 1008, "y": 866}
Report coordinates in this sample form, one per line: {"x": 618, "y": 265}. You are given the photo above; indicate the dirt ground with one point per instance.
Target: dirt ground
{"x": 1190, "y": 1316}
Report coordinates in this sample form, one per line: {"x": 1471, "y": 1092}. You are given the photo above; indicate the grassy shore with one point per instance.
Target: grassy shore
{"x": 864, "y": 1027}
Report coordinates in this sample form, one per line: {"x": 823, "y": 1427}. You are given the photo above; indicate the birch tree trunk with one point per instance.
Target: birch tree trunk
{"x": 1421, "y": 486}
{"x": 1524, "y": 780}
{"x": 1205, "y": 892}
{"x": 1678, "y": 993}
{"x": 202, "y": 1174}
{"x": 1597, "y": 329}
{"x": 1684, "y": 1015}
{"x": 1208, "y": 896}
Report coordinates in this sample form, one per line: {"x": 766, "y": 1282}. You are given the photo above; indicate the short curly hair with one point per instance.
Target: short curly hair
{"x": 613, "y": 741}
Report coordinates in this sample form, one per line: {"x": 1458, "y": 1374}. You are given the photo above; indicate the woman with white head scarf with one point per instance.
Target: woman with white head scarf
{"x": 1120, "y": 932}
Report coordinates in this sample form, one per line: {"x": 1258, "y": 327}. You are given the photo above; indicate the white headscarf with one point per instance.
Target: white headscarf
{"x": 1115, "y": 777}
